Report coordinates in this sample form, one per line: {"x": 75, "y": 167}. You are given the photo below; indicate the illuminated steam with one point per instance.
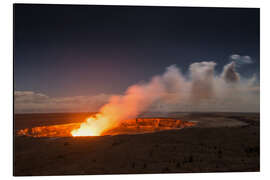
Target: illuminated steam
{"x": 202, "y": 88}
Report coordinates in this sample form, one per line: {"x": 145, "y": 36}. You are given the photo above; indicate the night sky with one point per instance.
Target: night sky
{"x": 64, "y": 50}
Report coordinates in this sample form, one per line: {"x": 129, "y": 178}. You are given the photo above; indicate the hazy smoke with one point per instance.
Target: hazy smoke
{"x": 201, "y": 89}
{"x": 229, "y": 74}
{"x": 172, "y": 89}
{"x": 136, "y": 99}
{"x": 202, "y": 76}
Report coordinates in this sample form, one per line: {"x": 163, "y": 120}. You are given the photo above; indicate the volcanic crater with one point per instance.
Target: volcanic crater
{"x": 133, "y": 126}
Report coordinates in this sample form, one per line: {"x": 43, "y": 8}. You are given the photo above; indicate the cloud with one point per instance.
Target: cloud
{"x": 240, "y": 60}
{"x": 29, "y": 101}
{"x": 30, "y": 97}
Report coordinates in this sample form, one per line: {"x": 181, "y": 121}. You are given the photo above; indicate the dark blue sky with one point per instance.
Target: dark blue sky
{"x": 86, "y": 50}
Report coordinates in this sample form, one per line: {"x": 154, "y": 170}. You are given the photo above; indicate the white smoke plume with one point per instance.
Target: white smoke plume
{"x": 205, "y": 90}
{"x": 229, "y": 73}
{"x": 202, "y": 77}
{"x": 201, "y": 89}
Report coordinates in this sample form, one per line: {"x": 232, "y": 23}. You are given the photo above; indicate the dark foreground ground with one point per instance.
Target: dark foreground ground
{"x": 221, "y": 142}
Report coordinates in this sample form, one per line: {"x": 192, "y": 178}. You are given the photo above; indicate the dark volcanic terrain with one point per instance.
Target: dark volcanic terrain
{"x": 220, "y": 142}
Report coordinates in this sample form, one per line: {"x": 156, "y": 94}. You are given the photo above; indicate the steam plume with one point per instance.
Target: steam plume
{"x": 203, "y": 90}
{"x": 229, "y": 74}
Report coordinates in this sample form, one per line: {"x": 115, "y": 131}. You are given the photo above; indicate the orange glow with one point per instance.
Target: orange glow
{"x": 99, "y": 125}
{"x": 93, "y": 126}
{"x": 61, "y": 130}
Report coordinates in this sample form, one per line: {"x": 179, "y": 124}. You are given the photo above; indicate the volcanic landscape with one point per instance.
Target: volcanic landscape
{"x": 151, "y": 143}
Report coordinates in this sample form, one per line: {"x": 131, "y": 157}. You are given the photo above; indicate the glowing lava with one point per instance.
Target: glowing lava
{"x": 100, "y": 125}
{"x": 94, "y": 126}
{"x": 60, "y": 130}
